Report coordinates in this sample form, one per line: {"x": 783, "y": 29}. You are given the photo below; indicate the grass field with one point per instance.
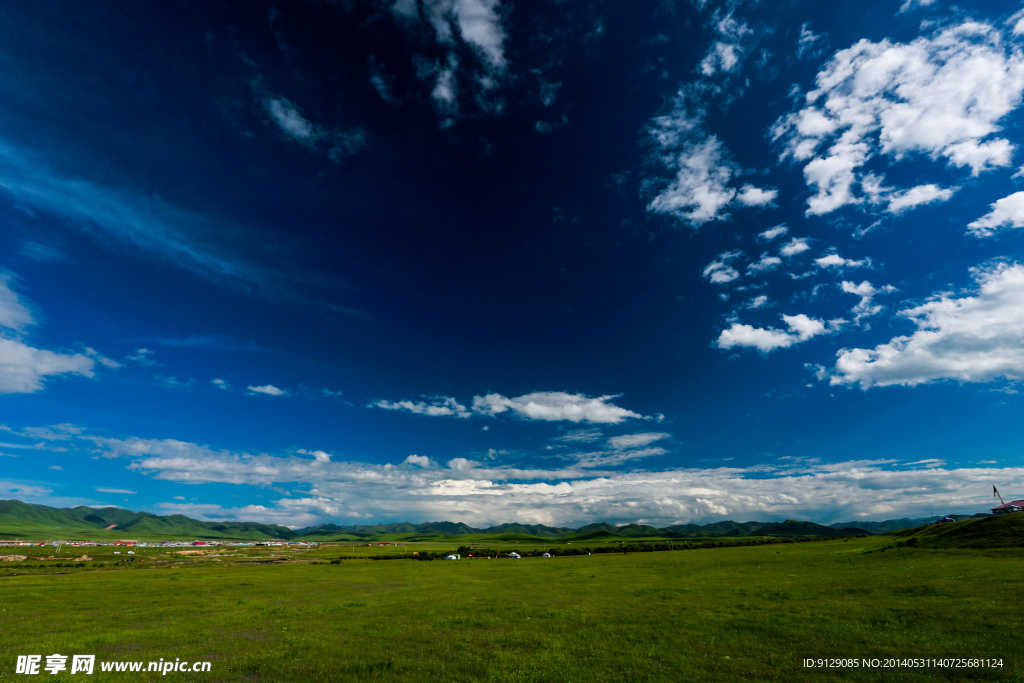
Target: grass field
{"x": 751, "y": 613}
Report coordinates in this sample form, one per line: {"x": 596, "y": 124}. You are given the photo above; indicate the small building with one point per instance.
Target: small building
{"x": 1006, "y": 508}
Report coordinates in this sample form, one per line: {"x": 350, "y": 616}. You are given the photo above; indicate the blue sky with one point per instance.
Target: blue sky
{"x": 490, "y": 261}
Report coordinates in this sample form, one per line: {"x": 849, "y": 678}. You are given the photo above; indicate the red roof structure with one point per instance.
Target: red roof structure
{"x": 1012, "y": 506}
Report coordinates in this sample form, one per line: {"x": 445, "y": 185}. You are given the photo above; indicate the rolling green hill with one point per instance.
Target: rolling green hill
{"x": 792, "y": 527}
{"x": 25, "y": 520}
{"x": 996, "y": 531}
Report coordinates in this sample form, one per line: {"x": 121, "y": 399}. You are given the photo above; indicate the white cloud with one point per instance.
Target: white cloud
{"x": 941, "y": 96}
{"x": 23, "y": 368}
{"x": 287, "y": 117}
{"x": 479, "y": 25}
{"x": 1007, "y": 212}
{"x": 866, "y": 291}
{"x": 725, "y": 53}
{"x": 755, "y": 196}
{"x": 105, "y": 490}
{"x": 1016, "y": 21}
{"x": 318, "y": 456}
{"x": 581, "y": 436}
{"x": 440, "y": 405}
{"x": 336, "y": 143}
{"x": 571, "y": 495}
{"x": 836, "y": 261}
{"x": 898, "y": 202}
{"x": 700, "y": 192}
{"x": 760, "y": 301}
{"x": 765, "y": 264}
{"x": 14, "y": 314}
{"x": 771, "y": 233}
{"x": 142, "y": 357}
{"x": 420, "y": 460}
{"x": 720, "y": 272}
{"x": 635, "y": 440}
{"x": 466, "y": 491}
{"x": 268, "y": 389}
{"x": 909, "y": 5}
{"x": 801, "y": 328}
{"x": 221, "y": 384}
{"x": 797, "y": 245}
{"x": 555, "y": 406}
{"x": 975, "y": 338}
{"x": 541, "y": 405}
{"x": 807, "y": 40}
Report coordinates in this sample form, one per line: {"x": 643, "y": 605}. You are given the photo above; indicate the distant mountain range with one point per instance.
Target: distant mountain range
{"x": 24, "y": 520}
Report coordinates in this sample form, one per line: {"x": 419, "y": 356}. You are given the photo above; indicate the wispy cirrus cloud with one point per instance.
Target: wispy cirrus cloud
{"x": 142, "y": 221}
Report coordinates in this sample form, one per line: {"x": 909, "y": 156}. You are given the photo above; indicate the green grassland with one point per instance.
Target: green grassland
{"x": 717, "y": 613}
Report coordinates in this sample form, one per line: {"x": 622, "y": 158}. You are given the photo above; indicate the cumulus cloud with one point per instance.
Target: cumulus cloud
{"x": 942, "y": 96}
{"x": 971, "y": 338}
{"x": 756, "y": 196}
{"x": 766, "y": 263}
{"x": 866, "y": 291}
{"x": 419, "y": 460}
{"x": 1008, "y": 212}
{"x": 23, "y": 368}
{"x": 760, "y": 301}
{"x": 898, "y": 202}
{"x": 549, "y": 406}
{"x": 439, "y": 405}
{"x": 555, "y": 406}
{"x": 221, "y": 384}
{"x": 766, "y": 339}
{"x": 797, "y": 245}
{"x": 719, "y": 271}
{"x": 700, "y": 190}
{"x": 268, "y": 389}
{"x": 837, "y": 262}
{"x": 771, "y": 233}
{"x": 319, "y": 456}
{"x": 579, "y": 494}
